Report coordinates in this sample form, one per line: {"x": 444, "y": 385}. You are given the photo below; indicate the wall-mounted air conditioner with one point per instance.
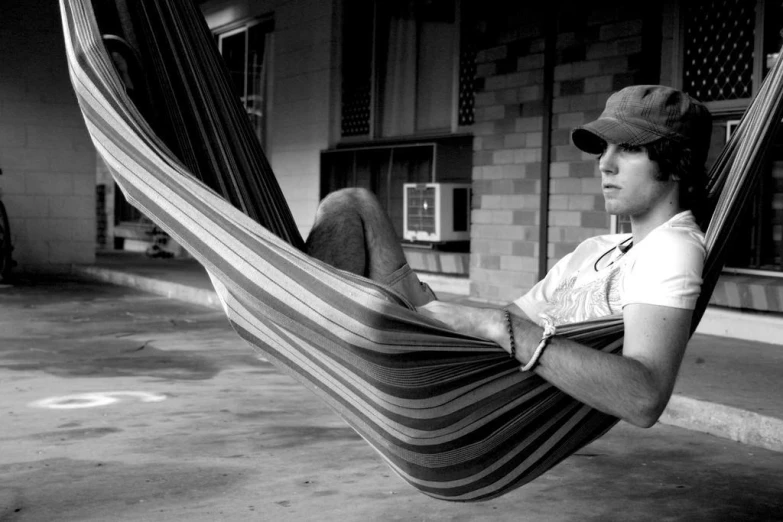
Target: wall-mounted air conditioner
{"x": 436, "y": 212}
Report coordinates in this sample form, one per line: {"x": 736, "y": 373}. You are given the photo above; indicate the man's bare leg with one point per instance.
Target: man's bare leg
{"x": 353, "y": 232}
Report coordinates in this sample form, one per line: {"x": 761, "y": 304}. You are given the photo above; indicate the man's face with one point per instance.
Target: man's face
{"x": 629, "y": 182}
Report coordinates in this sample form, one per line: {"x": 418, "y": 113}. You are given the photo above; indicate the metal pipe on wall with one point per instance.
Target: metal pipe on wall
{"x": 550, "y": 55}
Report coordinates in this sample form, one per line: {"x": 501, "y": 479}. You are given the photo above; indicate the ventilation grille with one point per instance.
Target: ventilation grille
{"x": 421, "y": 209}
{"x": 436, "y": 212}
{"x": 467, "y": 85}
{"x": 719, "y": 50}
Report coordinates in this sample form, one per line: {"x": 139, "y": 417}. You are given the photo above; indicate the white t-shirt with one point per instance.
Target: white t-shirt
{"x": 664, "y": 269}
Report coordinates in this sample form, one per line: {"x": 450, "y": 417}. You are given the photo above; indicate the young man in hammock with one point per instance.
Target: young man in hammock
{"x": 651, "y": 143}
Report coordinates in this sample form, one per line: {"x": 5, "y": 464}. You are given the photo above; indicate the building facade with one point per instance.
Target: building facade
{"x": 46, "y": 157}
{"x": 378, "y": 94}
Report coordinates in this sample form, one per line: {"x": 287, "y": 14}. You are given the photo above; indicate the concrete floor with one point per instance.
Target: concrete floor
{"x": 184, "y": 422}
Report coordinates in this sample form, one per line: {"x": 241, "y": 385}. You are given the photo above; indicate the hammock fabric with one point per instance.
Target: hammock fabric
{"x": 452, "y": 415}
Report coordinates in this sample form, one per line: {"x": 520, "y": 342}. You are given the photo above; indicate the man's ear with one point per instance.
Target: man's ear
{"x": 123, "y": 69}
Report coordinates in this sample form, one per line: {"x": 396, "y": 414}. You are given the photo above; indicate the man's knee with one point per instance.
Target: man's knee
{"x": 337, "y": 235}
{"x": 351, "y": 197}
{"x": 350, "y": 200}
{"x": 351, "y": 223}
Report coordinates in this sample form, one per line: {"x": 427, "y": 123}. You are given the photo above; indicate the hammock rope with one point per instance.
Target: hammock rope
{"x": 451, "y": 414}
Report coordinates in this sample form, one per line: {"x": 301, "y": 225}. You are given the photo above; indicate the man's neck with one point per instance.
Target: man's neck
{"x": 641, "y": 226}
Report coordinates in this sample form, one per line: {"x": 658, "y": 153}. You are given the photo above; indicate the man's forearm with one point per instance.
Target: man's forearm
{"x": 617, "y": 385}
{"x": 624, "y": 386}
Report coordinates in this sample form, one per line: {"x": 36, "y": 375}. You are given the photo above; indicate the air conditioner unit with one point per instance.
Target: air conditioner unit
{"x": 436, "y": 212}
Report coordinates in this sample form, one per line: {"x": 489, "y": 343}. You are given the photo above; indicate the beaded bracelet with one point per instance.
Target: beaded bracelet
{"x": 512, "y": 343}
{"x": 549, "y": 332}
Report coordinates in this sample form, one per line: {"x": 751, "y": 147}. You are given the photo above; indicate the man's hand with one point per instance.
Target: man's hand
{"x": 635, "y": 386}
{"x": 486, "y": 323}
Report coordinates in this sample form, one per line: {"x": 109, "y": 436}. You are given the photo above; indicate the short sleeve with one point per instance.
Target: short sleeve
{"x": 666, "y": 270}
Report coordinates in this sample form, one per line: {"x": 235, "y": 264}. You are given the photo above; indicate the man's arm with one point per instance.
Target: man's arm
{"x": 634, "y": 386}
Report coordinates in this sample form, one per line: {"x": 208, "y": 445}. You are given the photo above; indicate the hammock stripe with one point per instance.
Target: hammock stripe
{"x": 452, "y": 415}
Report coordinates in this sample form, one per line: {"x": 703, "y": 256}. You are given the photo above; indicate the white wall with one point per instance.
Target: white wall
{"x": 48, "y": 162}
{"x": 301, "y": 90}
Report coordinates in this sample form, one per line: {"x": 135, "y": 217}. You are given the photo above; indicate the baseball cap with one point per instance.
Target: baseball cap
{"x": 641, "y": 114}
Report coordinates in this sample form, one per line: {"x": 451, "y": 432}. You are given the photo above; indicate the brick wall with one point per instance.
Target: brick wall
{"x": 302, "y": 97}
{"x": 600, "y": 48}
{"x": 48, "y": 162}
{"x": 507, "y": 159}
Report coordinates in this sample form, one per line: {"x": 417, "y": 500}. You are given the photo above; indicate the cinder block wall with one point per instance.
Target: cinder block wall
{"x": 600, "y": 48}
{"x": 508, "y": 133}
{"x": 302, "y": 102}
{"x": 301, "y": 91}
{"x": 48, "y": 162}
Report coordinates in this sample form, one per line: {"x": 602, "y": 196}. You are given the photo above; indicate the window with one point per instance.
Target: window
{"x": 408, "y": 73}
{"x": 760, "y": 246}
{"x": 619, "y": 224}
{"x": 384, "y": 168}
{"x": 728, "y": 47}
{"x": 246, "y": 51}
{"x": 407, "y": 69}
{"x": 719, "y": 49}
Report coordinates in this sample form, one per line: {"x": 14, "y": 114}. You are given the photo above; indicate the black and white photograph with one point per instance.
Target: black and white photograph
{"x": 391, "y": 260}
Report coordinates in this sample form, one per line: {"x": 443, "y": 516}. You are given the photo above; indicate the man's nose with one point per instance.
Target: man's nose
{"x": 607, "y": 163}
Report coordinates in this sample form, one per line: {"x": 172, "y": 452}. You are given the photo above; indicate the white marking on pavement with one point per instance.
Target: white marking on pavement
{"x": 92, "y": 400}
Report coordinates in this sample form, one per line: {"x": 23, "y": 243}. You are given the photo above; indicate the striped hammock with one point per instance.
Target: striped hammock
{"x": 451, "y": 414}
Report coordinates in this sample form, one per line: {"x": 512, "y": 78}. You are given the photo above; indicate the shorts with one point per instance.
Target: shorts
{"x": 405, "y": 282}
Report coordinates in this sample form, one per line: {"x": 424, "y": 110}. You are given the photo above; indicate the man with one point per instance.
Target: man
{"x": 651, "y": 143}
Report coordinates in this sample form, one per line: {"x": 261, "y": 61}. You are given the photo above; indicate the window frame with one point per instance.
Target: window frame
{"x": 721, "y": 107}
{"x": 728, "y": 111}
{"x": 731, "y": 126}
{"x": 374, "y": 134}
{"x": 244, "y": 25}
{"x": 618, "y": 224}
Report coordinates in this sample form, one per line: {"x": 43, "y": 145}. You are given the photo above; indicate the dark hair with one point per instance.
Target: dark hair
{"x": 680, "y": 162}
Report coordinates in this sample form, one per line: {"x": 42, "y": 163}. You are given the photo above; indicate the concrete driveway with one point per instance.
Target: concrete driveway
{"x": 120, "y": 405}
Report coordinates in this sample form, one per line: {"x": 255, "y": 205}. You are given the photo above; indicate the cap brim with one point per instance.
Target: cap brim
{"x": 593, "y": 137}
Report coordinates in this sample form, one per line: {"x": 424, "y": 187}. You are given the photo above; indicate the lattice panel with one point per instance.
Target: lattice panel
{"x": 467, "y": 84}
{"x": 719, "y": 45}
{"x": 356, "y": 110}
{"x": 421, "y": 209}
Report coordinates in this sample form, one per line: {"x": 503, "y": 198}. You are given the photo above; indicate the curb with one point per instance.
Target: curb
{"x": 197, "y": 296}
{"x": 723, "y": 421}
{"x": 716, "y": 419}
{"x": 757, "y": 327}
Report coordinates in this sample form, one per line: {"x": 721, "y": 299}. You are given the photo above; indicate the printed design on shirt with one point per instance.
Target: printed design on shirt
{"x": 599, "y": 297}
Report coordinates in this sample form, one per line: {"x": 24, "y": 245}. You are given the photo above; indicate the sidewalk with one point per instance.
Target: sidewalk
{"x": 727, "y": 387}
{"x": 120, "y": 405}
